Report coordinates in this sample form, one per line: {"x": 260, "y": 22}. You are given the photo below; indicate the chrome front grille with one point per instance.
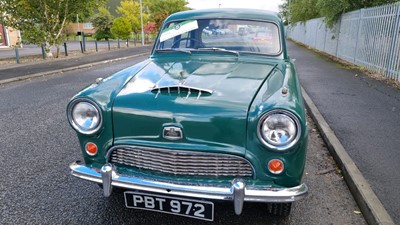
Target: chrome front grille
{"x": 178, "y": 162}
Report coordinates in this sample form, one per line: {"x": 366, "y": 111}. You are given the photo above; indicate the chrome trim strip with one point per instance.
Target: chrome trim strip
{"x": 238, "y": 192}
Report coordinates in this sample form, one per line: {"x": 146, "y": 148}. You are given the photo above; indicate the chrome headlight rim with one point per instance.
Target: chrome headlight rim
{"x": 71, "y": 120}
{"x": 286, "y": 146}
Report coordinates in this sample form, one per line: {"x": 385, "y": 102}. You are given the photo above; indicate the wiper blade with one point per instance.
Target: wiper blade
{"x": 174, "y": 50}
{"x": 220, "y": 50}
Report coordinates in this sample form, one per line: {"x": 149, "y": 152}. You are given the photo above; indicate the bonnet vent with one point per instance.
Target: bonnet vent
{"x": 181, "y": 90}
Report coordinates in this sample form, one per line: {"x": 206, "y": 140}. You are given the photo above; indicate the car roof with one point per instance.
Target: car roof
{"x": 218, "y": 13}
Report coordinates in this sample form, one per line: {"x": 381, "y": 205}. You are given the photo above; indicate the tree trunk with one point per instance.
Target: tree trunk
{"x": 47, "y": 49}
{"x": 58, "y": 51}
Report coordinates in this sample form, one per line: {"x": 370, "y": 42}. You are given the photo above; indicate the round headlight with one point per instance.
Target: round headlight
{"x": 84, "y": 116}
{"x": 279, "y": 130}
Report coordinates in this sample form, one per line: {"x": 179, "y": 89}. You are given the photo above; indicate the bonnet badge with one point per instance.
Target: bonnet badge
{"x": 172, "y": 133}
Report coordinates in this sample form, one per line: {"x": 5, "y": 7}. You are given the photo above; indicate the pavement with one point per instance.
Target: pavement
{"x": 357, "y": 116}
{"x": 16, "y": 72}
{"x": 90, "y": 45}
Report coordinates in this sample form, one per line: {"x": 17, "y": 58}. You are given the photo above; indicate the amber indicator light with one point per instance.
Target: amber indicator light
{"x": 91, "y": 148}
{"x": 275, "y": 166}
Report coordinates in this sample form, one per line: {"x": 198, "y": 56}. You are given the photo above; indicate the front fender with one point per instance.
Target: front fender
{"x": 281, "y": 90}
{"x": 103, "y": 94}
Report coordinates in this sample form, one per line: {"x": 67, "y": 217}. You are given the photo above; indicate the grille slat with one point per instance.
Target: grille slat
{"x": 180, "y": 166}
{"x": 178, "y": 162}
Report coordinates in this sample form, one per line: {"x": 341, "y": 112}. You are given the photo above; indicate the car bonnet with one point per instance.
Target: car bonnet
{"x": 207, "y": 102}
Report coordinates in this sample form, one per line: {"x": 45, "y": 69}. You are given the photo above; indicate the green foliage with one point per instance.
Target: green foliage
{"x": 103, "y": 21}
{"x": 153, "y": 11}
{"x": 302, "y": 10}
{"x": 359, "y": 4}
{"x": 130, "y": 10}
{"x": 161, "y": 9}
{"x": 83, "y": 8}
{"x": 284, "y": 11}
{"x": 332, "y": 10}
{"x": 112, "y": 6}
{"x": 42, "y": 21}
{"x": 121, "y": 28}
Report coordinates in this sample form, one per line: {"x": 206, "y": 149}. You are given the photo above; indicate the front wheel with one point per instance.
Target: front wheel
{"x": 279, "y": 209}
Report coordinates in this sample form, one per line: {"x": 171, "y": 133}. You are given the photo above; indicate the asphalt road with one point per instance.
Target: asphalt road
{"x": 37, "y": 145}
{"x": 365, "y": 116}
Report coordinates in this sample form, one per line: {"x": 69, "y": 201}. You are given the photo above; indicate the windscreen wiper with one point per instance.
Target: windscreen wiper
{"x": 220, "y": 50}
{"x": 174, "y": 50}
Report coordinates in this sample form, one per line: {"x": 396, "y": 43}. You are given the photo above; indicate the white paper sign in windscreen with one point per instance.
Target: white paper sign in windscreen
{"x": 178, "y": 29}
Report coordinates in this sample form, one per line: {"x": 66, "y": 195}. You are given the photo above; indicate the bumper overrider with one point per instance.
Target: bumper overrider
{"x": 238, "y": 191}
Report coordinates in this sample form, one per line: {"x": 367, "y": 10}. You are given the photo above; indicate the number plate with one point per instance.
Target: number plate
{"x": 179, "y": 206}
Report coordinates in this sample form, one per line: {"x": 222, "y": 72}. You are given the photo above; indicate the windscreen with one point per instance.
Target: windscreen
{"x": 229, "y": 34}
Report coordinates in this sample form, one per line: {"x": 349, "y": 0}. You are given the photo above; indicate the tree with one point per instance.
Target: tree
{"x": 333, "y": 9}
{"x": 103, "y": 21}
{"x": 285, "y": 12}
{"x": 121, "y": 28}
{"x": 150, "y": 28}
{"x": 130, "y": 10}
{"x": 42, "y": 21}
{"x": 161, "y": 9}
{"x": 302, "y": 10}
{"x": 112, "y": 6}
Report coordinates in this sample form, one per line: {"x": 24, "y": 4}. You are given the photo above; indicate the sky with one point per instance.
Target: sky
{"x": 272, "y": 5}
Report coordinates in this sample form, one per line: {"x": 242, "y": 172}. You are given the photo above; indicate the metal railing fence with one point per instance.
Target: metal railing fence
{"x": 367, "y": 37}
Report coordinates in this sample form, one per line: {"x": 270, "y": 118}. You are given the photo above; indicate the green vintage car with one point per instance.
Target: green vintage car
{"x": 210, "y": 116}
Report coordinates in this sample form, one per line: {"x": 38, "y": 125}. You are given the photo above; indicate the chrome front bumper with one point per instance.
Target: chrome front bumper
{"x": 238, "y": 191}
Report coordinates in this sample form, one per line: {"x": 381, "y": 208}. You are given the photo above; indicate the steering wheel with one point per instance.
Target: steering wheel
{"x": 177, "y": 42}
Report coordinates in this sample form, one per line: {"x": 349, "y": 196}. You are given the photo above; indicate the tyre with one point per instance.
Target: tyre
{"x": 279, "y": 209}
